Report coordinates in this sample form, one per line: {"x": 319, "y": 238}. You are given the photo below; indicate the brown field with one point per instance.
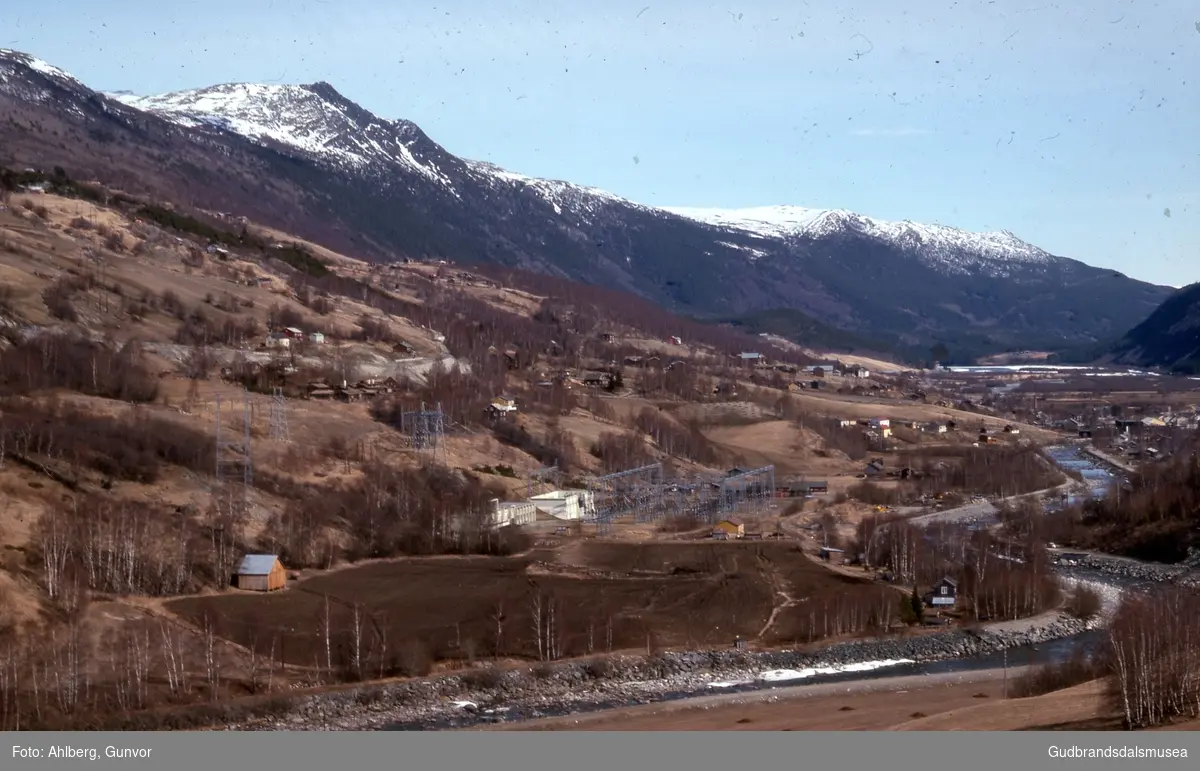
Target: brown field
{"x": 662, "y": 594}
{"x": 779, "y": 443}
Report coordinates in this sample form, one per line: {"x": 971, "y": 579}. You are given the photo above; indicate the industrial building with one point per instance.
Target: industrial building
{"x": 518, "y": 513}
{"x": 566, "y": 504}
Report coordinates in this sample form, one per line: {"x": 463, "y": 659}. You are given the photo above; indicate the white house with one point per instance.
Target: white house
{"x": 566, "y": 504}
{"x": 317, "y": 337}
{"x": 276, "y": 340}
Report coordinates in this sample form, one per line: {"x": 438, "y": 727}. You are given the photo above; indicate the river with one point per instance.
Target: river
{"x": 1072, "y": 457}
{"x": 468, "y": 716}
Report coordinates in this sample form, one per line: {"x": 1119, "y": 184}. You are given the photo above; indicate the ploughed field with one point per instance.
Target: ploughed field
{"x": 403, "y": 616}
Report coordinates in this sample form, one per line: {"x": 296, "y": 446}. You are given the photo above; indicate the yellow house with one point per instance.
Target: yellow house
{"x": 732, "y": 527}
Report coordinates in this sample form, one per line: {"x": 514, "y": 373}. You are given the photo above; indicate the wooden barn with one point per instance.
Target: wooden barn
{"x": 261, "y": 573}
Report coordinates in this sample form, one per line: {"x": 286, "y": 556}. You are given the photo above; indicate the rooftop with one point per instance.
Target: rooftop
{"x": 257, "y": 564}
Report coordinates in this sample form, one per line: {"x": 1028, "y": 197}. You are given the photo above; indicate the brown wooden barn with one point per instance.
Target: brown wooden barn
{"x": 261, "y": 573}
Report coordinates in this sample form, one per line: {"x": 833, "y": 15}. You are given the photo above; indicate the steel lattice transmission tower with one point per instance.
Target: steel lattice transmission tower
{"x": 425, "y": 427}
{"x": 279, "y": 417}
{"x": 234, "y": 463}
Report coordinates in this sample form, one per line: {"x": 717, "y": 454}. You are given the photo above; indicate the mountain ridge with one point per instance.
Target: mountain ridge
{"x": 197, "y": 106}
{"x": 1169, "y": 338}
{"x": 310, "y": 159}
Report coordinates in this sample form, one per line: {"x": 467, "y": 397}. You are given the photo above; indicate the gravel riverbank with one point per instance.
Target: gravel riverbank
{"x": 1133, "y": 572}
{"x": 472, "y": 698}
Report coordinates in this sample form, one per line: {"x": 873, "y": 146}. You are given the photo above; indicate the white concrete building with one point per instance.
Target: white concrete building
{"x": 505, "y": 513}
{"x": 566, "y": 504}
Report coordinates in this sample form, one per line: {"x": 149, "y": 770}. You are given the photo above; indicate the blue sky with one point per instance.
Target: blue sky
{"x": 1075, "y": 126}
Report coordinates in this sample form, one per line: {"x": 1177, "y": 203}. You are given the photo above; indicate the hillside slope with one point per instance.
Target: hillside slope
{"x": 1169, "y": 338}
{"x": 306, "y": 160}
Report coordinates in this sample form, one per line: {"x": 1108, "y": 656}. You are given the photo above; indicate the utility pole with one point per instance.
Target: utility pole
{"x": 1006, "y": 673}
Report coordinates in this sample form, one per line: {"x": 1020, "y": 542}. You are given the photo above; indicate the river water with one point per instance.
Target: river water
{"x": 1073, "y": 458}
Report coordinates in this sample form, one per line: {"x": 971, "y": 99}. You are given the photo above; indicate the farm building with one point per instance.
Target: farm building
{"x": 566, "y": 504}
{"x": 261, "y": 573}
{"x": 317, "y": 337}
{"x": 732, "y": 527}
{"x": 502, "y": 407}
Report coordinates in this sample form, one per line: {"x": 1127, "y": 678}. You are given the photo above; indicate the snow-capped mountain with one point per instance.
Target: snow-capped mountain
{"x": 32, "y": 63}
{"x": 950, "y": 248}
{"x": 317, "y": 120}
{"x": 307, "y": 159}
{"x": 314, "y": 118}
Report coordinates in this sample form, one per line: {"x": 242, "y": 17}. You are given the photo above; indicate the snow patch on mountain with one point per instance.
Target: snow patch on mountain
{"x": 562, "y": 196}
{"x": 950, "y": 248}
{"x": 770, "y": 221}
{"x": 36, "y": 64}
{"x": 301, "y": 117}
{"x": 754, "y": 253}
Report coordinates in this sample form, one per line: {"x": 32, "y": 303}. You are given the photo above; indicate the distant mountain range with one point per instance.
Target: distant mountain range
{"x": 307, "y": 160}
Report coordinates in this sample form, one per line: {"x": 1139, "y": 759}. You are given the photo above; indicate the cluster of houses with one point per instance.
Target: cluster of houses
{"x": 818, "y": 370}
{"x": 881, "y": 428}
{"x": 360, "y": 391}
{"x": 1128, "y": 426}
{"x": 596, "y": 379}
{"x": 286, "y": 338}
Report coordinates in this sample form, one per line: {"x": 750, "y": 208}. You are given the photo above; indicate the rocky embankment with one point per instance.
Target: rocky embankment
{"x": 1136, "y": 572}
{"x": 482, "y": 696}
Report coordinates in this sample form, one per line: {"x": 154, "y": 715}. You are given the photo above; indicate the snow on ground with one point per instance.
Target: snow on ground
{"x": 787, "y": 675}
